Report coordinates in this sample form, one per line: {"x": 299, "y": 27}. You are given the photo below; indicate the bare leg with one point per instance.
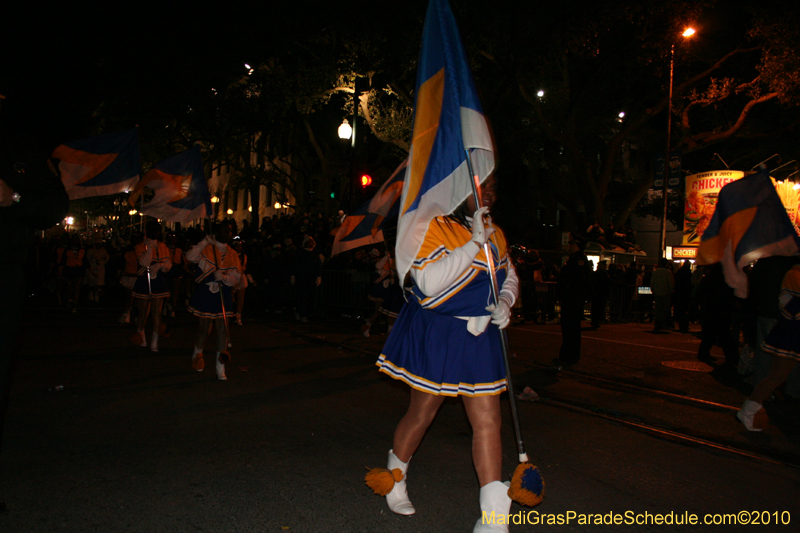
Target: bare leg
{"x": 222, "y": 339}
{"x": 129, "y": 301}
{"x": 374, "y": 317}
{"x": 144, "y": 308}
{"x": 76, "y": 290}
{"x": 779, "y": 371}
{"x": 484, "y": 416}
{"x": 157, "y": 304}
{"x": 202, "y": 333}
{"x": 238, "y": 296}
{"x": 422, "y": 410}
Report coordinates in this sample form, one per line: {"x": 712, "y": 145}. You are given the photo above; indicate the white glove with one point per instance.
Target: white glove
{"x": 480, "y": 233}
{"x": 218, "y": 275}
{"x": 501, "y": 314}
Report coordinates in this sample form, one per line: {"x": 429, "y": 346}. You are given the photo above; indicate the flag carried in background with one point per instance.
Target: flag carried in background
{"x": 750, "y": 222}
{"x": 181, "y": 191}
{"x": 448, "y": 120}
{"x": 365, "y": 225}
{"x": 99, "y": 166}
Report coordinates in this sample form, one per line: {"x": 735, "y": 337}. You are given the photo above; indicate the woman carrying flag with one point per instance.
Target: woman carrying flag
{"x": 218, "y": 271}
{"x": 150, "y": 288}
{"x": 446, "y": 342}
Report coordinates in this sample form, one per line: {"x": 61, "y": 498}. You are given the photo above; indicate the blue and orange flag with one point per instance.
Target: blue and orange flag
{"x": 101, "y": 165}
{"x": 365, "y": 225}
{"x": 181, "y": 190}
{"x": 448, "y": 122}
{"x": 750, "y": 222}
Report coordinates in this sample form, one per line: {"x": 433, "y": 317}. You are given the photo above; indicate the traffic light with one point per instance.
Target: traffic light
{"x": 366, "y": 181}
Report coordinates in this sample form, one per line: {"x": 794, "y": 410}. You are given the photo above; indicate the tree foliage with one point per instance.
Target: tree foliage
{"x": 735, "y": 95}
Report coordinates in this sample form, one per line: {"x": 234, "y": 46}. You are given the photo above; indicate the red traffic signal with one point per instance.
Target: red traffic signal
{"x": 366, "y": 180}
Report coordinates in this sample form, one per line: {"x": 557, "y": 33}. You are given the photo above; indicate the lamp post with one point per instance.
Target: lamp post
{"x": 686, "y": 34}
{"x": 346, "y": 132}
{"x": 214, "y": 206}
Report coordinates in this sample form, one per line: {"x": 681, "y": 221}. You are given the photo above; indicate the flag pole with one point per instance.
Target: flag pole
{"x": 476, "y": 194}
{"x": 527, "y": 486}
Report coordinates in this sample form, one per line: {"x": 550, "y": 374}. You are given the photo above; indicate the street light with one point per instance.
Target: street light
{"x": 345, "y": 130}
{"x": 214, "y": 206}
{"x": 688, "y": 32}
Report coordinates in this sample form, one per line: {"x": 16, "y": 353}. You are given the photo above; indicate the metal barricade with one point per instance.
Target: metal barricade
{"x": 538, "y": 301}
{"x": 626, "y": 304}
{"x": 344, "y": 292}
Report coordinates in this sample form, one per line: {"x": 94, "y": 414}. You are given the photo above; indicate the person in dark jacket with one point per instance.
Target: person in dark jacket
{"x": 306, "y": 276}
{"x": 574, "y": 285}
{"x": 32, "y": 198}
{"x": 716, "y": 307}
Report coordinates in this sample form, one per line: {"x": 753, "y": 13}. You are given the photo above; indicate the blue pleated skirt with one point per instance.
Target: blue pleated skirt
{"x": 436, "y": 354}
{"x": 207, "y": 304}
{"x": 157, "y": 288}
{"x": 784, "y": 339}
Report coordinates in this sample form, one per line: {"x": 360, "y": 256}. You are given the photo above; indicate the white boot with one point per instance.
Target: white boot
{"x": 154, "y": 343}
{"x": 495, "y": 508}
{"x": 747, "y": 413}
{"x": 220, "y": 369}
{"x": 398, "y": 499}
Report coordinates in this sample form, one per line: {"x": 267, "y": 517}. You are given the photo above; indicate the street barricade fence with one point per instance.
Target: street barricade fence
{"x": 344, "y": 292}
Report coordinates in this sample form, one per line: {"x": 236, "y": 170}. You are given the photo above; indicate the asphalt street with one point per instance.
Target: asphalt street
{"x": 104, "y": 436}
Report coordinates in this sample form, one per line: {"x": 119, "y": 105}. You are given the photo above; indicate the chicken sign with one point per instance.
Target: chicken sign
{"x": 702, "y": 191}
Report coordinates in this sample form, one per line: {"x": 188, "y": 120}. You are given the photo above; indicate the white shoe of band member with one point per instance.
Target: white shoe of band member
{"x": 220, "y": 370}
{"x": 143, "y": 337}
{"x": 398, "y": 499}
{"x": 747, "y": 413}
{"x": 495, "y": 506}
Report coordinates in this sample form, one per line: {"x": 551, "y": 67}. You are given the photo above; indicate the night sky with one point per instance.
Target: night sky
{"x": 57, "y": 64}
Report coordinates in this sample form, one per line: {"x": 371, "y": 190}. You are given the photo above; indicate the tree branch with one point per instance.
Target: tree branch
{"x": 704, "y": 139}
{"x": 363, "y": 104}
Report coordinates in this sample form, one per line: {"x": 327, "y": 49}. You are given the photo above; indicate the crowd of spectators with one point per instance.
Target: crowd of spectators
{"x": 74, "y": 269}
{"x": 79, "y": 269}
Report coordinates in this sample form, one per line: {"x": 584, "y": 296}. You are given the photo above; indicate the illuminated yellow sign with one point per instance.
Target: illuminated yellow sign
{"x": 684, "y": 252}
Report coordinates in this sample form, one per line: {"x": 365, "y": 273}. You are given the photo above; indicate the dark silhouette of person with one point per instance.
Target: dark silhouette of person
{"x": 574, "y": 285}
{"x": 716, "y": 307}
{"x": 32, "y": 198}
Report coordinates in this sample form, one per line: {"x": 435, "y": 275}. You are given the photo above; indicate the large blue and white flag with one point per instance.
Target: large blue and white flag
{"x": 365, "y": 225}
{"x": 448, "y": 121}
{"x": 750, "y": 222}
{"x": 99, "y": 166}
{"x": 181, "y": 191}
